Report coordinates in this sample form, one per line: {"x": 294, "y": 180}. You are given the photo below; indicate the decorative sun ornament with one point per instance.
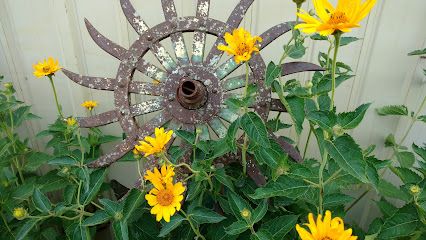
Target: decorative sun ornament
{"x": 347, "y": 15}
{"x": 154, "y": 145}
{"x": 46, "y": 68}
{"x": 325, "y": 229}
{"x": 189, "y": 90}
{"x": 240, "y": 44}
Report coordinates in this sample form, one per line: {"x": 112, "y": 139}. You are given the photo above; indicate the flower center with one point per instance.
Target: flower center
{"x": 165, "y": 197}
{"x": 242, "y": 48}
{"x": 338, "y": 17}
{"x": 326, "y": 238}
{"x": 46, "y": 69}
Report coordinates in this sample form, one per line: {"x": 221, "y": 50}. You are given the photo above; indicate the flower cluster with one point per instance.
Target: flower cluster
{"x": 165, "y": 197}
{"x": 155, "y": 145}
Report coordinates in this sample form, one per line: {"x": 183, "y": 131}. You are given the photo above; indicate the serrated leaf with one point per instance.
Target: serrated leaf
{"x": 63, "y": 161}
{"x": 296, "y": 108}
{"x": 221, "y": 176}
{"x": 133, "y": 200}
{"x": 273, "y": 156}
{"x": 387, "y": 189}
{"x": 281, "y": 226}
{"x": 348, "y": 156}
{"x": 284, "y": 187}
{"x": 237, "y": 228}
{"x": 336, "y": 199}
{"x": 262, "y": 234}
{"x": 175, "y": 221}
{"x": 97, "y": 218}
{"x": 272, "y": 72}
{"x": 399, "y": 225}
{"x": 417, "y": 52}
{"x": 407, "y": 176}
{"x": 36, "y": 160}
{"x": 253, "y": 126}
{"x": 260, "y": 211}
{"x": 421, "y": 151}
{"x": 203, "y": 215}
{"x": 326, "y": 120}
{"x": 238, "y": 204}
{"x": 111, "y": 207}
{"x": 350, "y": 120}
{"x": 230, "y": 135}
{"x": 26, "y": 228}
{"x": 96, "y": 180}
{"x": 346, "y": 40}
{"x": 405, "y": 159}
{"x": 41, "y": 202}
{"x": 121, "y": 231}
{"x": 296, "y": 51}
{"x": 423, "y": 117}
{"x": 399, "y": 110}
{"x": 318, "y": 37}
{"x": 386, "y": 207}
{"x": 186, "y": 136}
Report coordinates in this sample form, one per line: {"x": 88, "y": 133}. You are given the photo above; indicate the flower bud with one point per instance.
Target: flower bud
{"x": 338, "y": 130}
{"x": 118, "y": 216}
{"x": 20, "y": 213}
{"x": 8, "y": 85}
{"x": 198, "y": 131}
{"x": 65, "y": 170}
{"x": 415, "y": 189}
{"x": 309, "y": 84}
{"x": 5, "y": 183}
{"x": 245, "y": 213}
{"x": 299, "y": 2}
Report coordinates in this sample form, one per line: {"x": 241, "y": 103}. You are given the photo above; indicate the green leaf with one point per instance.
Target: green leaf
{"x": 350, "y": 120}
{"x": 203, "y": 215}
{"x": 221, "y": 176}
{"x": 421, "y": 151}
{"x": 121, "y": 231}
{"x": 237, "y": 228}
{"x": 399, "y": 225}
{"x": 253, "y": 126}
{"x": 390, "y": 141}
{"x": 97, "y": 218}
{"x": 64, "y": 161}
{"x": 275, "y": 125}
{"x": 41, "y": 202}
{"x": 296, "y": 108}
{"x": 36, "y": 160}
{"x": 348, "y": 156}
{"x": 133, "y": 200}
{"x": 386, "y": 207}
{"x": 273, "y": 156}
{"x": 336, "y": 199}
{"x": 400, "y": 110}
{"x": 318, "y": 37}
{"x": 262, "y": 234}
{"x": 175, "y": 221}
{"x": 96, "y": 180}
{"x": 80, "y": 232}
{"x": 26, "y": 228}
{"x": 296, "y": 51}
{"x": 230, "y": 135}
{"x": 284, "y": 187}
{"x": 186, "y": 136}
{"x": 238, "y": 204}
{"x": 407, "y": 176}
{"x": 346, "y": 40}
{"x": 326, "y": 120}
{"x": 423, "y": 117}
{"x": 405, "y": 159}
{"x": 417, "y": 52}
{"x": 281, "y": 226}
{"x": 111, "y": 207}
{"x": 387, "y": 189}
{"x": 272, "y": 72}
{"x": 260, "y": 211}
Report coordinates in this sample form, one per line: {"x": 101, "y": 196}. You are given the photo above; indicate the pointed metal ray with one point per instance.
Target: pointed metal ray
{"x": 218, "y": 127}
{"x": 141, "y": 27}
{"x": 109, "y": 84}
{"x": 228, "y": 115}
{"x": 199, "y": 42}
{"x": 120, "y": 52}
{"x": 233, "y": 21}
{"x": 112, "y": 116}
{"x": 276, "y": 105}
{"x": 188, "y": 127}
{"x": 236, "y": 82}
{"x": 267, "y": 37}
{"x": 205, "y": 134}
{"x": 128, "y": 144}
{"x": 170, "y": 14}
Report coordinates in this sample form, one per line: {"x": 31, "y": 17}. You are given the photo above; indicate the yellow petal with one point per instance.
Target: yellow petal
{"x": 320, "y": 10}
{"x": 152, "y": 200}
{"x": 304, "y": 235}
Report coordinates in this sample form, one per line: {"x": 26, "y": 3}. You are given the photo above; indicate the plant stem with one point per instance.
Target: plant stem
{"x": 307, "y": 143}
{"x": 321, "y": 182}
{"x": 81, "y": 147}
{"x": 5, "y": 223}
{"x": 245, "y": 143}
{"x": 194, "y": 228}
{"x": 413, "y": 120}
{"x": 333, "y": 68}
{"x": 12, "y": 140}
{"x": 56, "y": 96}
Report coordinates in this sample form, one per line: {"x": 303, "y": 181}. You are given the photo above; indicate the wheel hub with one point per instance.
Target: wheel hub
{"x": 191, "y": 94}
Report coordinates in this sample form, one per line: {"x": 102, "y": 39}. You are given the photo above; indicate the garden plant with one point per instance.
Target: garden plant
{"x": 54, "y": 193}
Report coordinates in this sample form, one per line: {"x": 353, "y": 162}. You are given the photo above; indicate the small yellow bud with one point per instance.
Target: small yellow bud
{"x": 8, "y": 85}
{"x": 19, "y": 213}
{"x": 65, "y": 170}
{"x": 338, "y": 130}
{"x": 118, "y": 216}
{"x": 71, "y": 121}
{"x": 245, "y": 213}
{"x": 309, "y": 84}
{"x": 415, "y": 189}
{"x": 198, "y": 131}
{"x": 5, "y": 183}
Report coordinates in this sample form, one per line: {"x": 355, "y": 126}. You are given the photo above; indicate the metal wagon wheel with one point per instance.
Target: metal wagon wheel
{"x": 191, "y": 89}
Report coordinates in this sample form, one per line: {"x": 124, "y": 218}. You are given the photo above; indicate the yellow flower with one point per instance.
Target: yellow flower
{"x": 165, "y": 200}
{"x": 46, "y": 68}
{"x": 162, "y": 177}
{"x": 327, "y": 228}
{"x": 71, "y": 121}
{"x": 89, "y": 105}
{"x": 240, "y": 44}
{"x": 343, "y": 18}
{"x": 19, "y": 213}
{"x": 415, "y": 189}
{"x": 245, "y": 213}
{"x": 153, "y": 145}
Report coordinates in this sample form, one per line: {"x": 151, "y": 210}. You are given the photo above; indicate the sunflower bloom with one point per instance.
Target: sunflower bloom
{"x": 89, "y": 105}
{"x": 162, "y": 177}
{"x": 46, "y": 68}
{"x": 327, "y": 228}
{"x": 71, "y": 121}
{"x": 347, "y": 15}
{"x": 241, "y": 44}
{"x": 165, "y": 200}
{"x": 154, "y": 145}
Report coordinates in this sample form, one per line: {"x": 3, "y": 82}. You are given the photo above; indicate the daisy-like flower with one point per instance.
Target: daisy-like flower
{"x": 154, "y": 145}
{"x": 347, "y": 15}
{"x": 325, "y": 229}
{"x": 46, "y": 67}
{"x": 162, "y": 177}
{"x": 241, "y": 44}
{"x": 165, "y": 200}
{"x": 19, "y": 213}
{"x": 89, "y": 105}
{"x": 71, "y": 121}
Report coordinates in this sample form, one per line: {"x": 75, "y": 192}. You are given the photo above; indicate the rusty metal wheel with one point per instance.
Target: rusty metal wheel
{"x": 191, "y": 89}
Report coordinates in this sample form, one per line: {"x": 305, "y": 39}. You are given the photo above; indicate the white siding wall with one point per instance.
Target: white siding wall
{"x": 33, "y": 30}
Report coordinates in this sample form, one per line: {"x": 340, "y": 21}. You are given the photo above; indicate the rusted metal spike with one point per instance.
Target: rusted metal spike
{"x": 118, "y": 51}
{"x": 276, "y": 105}
{"x": 112, "y": 116}
{"x": 178, "y": 41}
{"x": 297, "y": 67}
{"x": 109, "y": 84}
{"x": 233, "y": 21}
{"x": 141, "y": 27}
{"x": 288, "y": 148}
{"x": 199, "y": 41}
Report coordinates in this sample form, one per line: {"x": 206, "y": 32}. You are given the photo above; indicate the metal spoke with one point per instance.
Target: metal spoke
{"x": 205, "y": 134}
{"x": 228, "y": 115}
{"x": 199, "y": 42}
{"x": 218, "y": 127}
